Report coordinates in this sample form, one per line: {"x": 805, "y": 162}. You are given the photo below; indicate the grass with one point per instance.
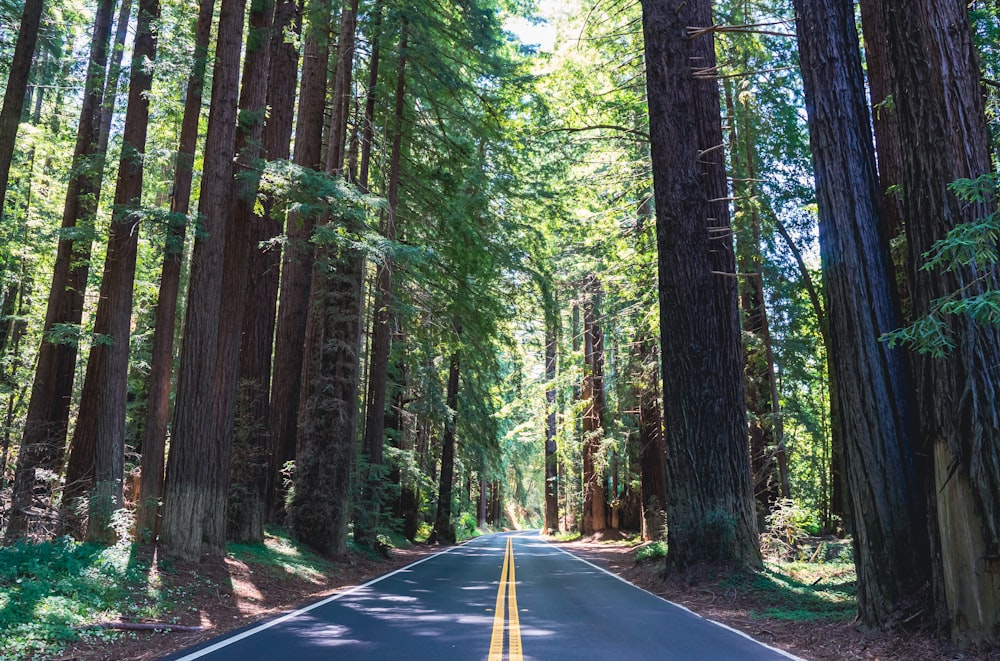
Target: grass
{"x": 651, "y": 551}
{"x": 800, "y": 591}
{"x": 280, "y": 552}
{"x": 49, "y": 592}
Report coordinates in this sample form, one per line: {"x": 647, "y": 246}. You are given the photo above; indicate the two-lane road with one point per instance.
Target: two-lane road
{"x": 504, "y": 596}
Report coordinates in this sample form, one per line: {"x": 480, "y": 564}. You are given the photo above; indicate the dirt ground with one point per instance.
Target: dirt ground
{"x": 229, "y": 595}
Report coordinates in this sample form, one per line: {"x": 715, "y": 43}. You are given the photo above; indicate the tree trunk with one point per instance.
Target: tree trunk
{"x": 595, "y": 499}
{"x": 873, "y": 383}
{"x": 944, "y": 137}
{"x": 320, "y": 510}
{"x": 162, "y": 359}
{"x": 192, "y": 485}
{"x": 369, "y": 508}
{"x": 240, "y": 427}
{"x": 652, "y": 450}
{"x": 297, "y": 260}
{"x": 102, "y": 407}
{"x": 444, "y": 529}
{"x": 260, "y": 310}
{"x": 17, "y": 85}
{"x": 43, "y": 443}
{"x": 83, "y": 446}
{"x": 709, "y": 495}
{"x": 551, "y": 312}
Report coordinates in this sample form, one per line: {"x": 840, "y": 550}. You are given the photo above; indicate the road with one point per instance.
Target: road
{"x": 502, "y": 597}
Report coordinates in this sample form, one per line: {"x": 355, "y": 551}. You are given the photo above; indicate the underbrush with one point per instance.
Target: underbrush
{"x": 50, "y": 592}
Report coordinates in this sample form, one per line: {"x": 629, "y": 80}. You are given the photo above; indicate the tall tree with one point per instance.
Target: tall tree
{"x": 17, "y": 85}
{"x": 943, "y": 134}
{"x": 884, "y": 493}
{"x": 369, "y": 506}
{"x": 192, "y": 485}
{"x": 595, "y": 498}
{"x": 551, "y": 313}
{"x": 297, "y": 259}
{"x": 320, "y": 510}
{"x": 444, "y": 528}
{"x": 260, "y": 312}
{"x": 239, "y": 514}
{"x": 43, "y": 443}
{"x": 162, "y": 360}
{"x": 709, "y": 496}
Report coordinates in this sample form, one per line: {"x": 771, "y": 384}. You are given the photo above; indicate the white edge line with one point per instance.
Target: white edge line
{"x": 682, "y": 607}
{"x": 305, "y": 609}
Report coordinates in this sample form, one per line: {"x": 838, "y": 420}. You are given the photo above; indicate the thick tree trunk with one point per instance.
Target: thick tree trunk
{"x": 260, "y": 309}
{"x": 370, "y": 505}
{"x": 162, "y": 359}
{"x": 297, "y": 260}
{"x": 105, "y": 390}
{"x": 943, "y": 136}
{"x": 320, "y": 511}
{"x": 192, "y": 486}
{"x": 43, "y": 443}
{"x": 709, "y": 495}
{"x": 873, "y": 384}
{"x": 444, "y": 529}
{"x": 80, "y": 465}
{"x": 595, "y": 499}
{"x": 17, "y": 85}
{"x": 243, "y": 432}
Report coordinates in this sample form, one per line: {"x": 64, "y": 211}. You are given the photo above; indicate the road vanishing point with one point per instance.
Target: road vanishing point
{"x": 501, "y": 597}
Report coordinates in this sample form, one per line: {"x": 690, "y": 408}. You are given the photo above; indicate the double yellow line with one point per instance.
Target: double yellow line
{"x": 514, "y": 628}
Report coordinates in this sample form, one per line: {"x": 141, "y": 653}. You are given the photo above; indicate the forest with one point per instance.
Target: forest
{"x": 370, "y": 269}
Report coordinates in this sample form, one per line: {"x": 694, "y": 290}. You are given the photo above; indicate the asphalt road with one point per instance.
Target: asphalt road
{"x": 503, "y": 597}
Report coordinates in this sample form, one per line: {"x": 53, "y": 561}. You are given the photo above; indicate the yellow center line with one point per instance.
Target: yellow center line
{"x": 514, "y": 627}
{"x": 496, "y": 642}
{"x": 514, "y": 649}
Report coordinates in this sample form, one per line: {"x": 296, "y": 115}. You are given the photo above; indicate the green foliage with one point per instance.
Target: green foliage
{"x": 49, "y": 592}
{"x": 973, "y": 248}
{"x": 281, "y": 554}
{"x": 651, "y": 551}
{"x": 804, "y": 592}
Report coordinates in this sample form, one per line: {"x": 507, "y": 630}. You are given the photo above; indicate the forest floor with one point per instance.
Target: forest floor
{"x": 804, "y": 608}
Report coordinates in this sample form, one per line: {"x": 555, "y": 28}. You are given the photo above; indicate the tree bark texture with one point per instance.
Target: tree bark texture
{"x": 652, "y": 450}
{"x": 332, "y": 361}
{"x": 261, "y": 306}
{"x": 551, "y": 313}
{"x": 444, "y": 529}
{"x": 162, "y": 358}
{"x": 944, "y": 137}
{"x": 242, "y": 432}
{"x": 43, "y": 443}
{"x": 192, "y": 485}
{"x": 873, "y": 382}
{"x": 297, "y": 260}
{"x": 710, "y": 506}
{"x": 595, "y": 499}
{"x": 17, "y": 86}
{"x": 369, "y": 507}
{"x": 105, "y": 390}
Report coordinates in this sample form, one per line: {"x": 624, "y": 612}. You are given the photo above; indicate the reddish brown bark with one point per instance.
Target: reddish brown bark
{"x": 594, "y": 491}
{"x": 43, "y": 444}
{"x": 444, "y": 529}
{"x": 193, "y": 488}
{"x": 161, "y": 365}
{"x": 297, "y": 260}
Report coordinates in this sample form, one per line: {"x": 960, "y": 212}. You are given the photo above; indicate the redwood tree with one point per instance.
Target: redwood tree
{"x": 943, "y": 136}
{"x": 883, "y": 490}
{"x": 193, "y": 487}
{"x": 709, "y": 504}
{"x": 43, "y": 444}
